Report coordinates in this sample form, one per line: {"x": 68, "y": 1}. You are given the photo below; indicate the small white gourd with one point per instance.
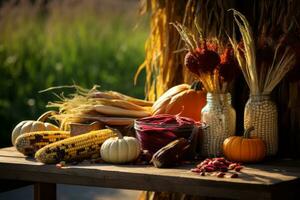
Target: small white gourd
{"x": 32, "y": 126}
{"x": 120, "y": 149}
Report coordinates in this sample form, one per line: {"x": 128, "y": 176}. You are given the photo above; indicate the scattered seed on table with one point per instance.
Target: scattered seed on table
{"x": 196, "y": 170}
{"x": 220, "y": 175}
{"x": 238, "y": 168}
{"x": 234, "y": 175}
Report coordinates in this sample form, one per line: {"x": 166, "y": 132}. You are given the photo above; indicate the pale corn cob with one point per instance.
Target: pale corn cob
{"x": 113, "y": 121}
{"x": 121, "y": 104}
{"x": 74, "y": 148}
{"x": 29, "y": 143}
{"x": 134, "y": 100}
{"x": 116, "y": 111}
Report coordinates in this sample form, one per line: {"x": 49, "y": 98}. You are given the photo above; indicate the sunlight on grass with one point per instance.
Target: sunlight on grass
{"x": 62, "y": 42}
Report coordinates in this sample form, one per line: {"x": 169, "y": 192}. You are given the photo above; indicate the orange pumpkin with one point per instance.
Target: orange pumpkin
{"x": 185, "y": 100}
{"x": 244, "y": 148}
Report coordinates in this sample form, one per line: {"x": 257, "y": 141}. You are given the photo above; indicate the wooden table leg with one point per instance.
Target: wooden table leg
{"x": 44, "y": 191}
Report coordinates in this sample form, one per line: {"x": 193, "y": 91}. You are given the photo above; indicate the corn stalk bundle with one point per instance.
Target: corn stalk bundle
{"x": 283, "y": 26}
{"x": 108, "y": 107}
{"x": 164, "y": 62}
{"x": 264, "y": 62}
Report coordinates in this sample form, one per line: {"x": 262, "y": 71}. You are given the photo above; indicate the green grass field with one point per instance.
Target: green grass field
{"x": 65, "y": 42}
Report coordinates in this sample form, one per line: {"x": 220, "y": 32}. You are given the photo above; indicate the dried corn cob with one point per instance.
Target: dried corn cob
{"x": 121, "y": 104}
{"x": 116, "y": 111}
{"x": 29, "y": 143}
{"x": 74, "y": 148}
{"x": 113, "y": 121}
{"x": 110, "y": 108}
{"x": 134, "y": 100}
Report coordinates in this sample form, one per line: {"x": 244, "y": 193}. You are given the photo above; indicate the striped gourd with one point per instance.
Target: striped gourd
{"x": 74, "y": 148}
{"x": 29, "y": 143}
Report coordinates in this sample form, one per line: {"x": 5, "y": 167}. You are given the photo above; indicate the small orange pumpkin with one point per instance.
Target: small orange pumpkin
{"x": 185, "y": 100}
{"x": 244, "y": 148}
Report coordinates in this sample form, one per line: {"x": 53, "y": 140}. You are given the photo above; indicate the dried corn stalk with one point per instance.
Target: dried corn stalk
{"x": 164, "y": 62}
{"x": 261, "y": 74}
{"x": 109, "y": 107}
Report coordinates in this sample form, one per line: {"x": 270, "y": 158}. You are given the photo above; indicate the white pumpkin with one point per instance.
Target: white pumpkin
{"x": 31, "y": 126}
{"x": 120, "y": 149}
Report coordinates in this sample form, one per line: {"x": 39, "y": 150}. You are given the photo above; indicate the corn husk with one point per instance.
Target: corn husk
{"x": 107, "y": 107}
{"x": 265, "y": 81}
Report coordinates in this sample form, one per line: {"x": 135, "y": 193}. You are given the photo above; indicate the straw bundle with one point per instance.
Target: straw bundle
{"x": 261, "y": 74}
{"x": 164, "y": 62}
{"x": 108, "y": 107}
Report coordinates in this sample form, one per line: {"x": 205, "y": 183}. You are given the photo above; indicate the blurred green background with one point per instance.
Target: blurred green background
{"x": 61, "y": 42}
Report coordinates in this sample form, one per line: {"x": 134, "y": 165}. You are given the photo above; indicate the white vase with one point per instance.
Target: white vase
{"x": 261, "y": 113}
{"x": 220, "y": 117}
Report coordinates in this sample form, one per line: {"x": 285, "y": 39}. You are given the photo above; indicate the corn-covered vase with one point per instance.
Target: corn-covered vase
{"x": 220, "y": 117}
{"x": 261, "y": 113}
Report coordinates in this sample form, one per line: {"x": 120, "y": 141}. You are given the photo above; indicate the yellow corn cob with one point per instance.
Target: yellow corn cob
{"x": 29, "y": 143}
{"x": 74, "y": 148}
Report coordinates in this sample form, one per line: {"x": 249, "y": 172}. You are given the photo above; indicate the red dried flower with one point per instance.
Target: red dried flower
{"x": 227, "y": 55}
{"x": 228, "y": 67}
{"x": 191, "y": 62}
{"x": 202, "y": 60}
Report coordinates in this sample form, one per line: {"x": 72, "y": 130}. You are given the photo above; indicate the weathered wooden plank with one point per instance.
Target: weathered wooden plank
{"x": 44, "y": 191}
{"x": 261, "y": 175}
{"x": 256, "y": 181}
{"x": 136, "y": 182}
{"x": 10, "y": 152}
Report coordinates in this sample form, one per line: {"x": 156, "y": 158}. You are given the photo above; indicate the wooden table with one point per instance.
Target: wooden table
{"x": 272, "y": 180}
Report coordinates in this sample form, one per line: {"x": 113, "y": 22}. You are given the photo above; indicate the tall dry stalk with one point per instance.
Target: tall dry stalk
{"x": 261, "y": 77}
{"x": 164, "y": 61}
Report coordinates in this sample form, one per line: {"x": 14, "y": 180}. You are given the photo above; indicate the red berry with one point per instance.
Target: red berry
{"x": 221, "y": 159}
{"x": 59, "y": 166}
{"x": 209, "y": 169}
{"x": 196, "y": 170}
{"x": 228, "y": 162}
{"x": 234, "y": 175}
{"x": 220, "y": 175}
{"x": 217, "y": 163}
{"x": 232, "y": 166}
{"x": 238, "y": 168}
{"x": 223, "y": 169}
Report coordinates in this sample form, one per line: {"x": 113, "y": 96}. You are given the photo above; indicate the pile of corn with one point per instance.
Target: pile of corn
{"x": 74, "y": 148}
{"x": 85, "y": 108}
{"x": 54, "y": 146}
{"x": 110, "y": 108}
{"x": 31, "y": 142}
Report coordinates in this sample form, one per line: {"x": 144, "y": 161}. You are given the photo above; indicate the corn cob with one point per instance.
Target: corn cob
{"x": 116, "y": 111}
{"x": 74, "y": 148}
{"x": 113, "y": 121}
{"x": 136, "y": 101}
{"x": 120, "y": 103}
{"x": 29, "y": 143}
